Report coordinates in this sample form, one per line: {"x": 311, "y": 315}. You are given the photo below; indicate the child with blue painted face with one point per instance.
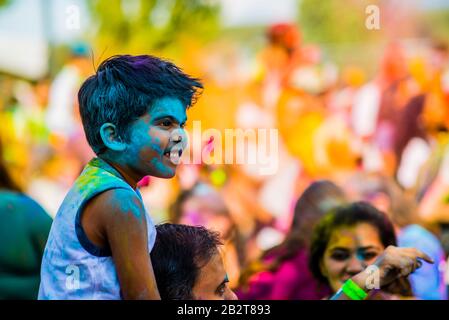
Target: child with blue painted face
{"x": 133, "y": 111}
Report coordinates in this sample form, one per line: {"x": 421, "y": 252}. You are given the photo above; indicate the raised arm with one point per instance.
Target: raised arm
{"x": 393, "y": 263}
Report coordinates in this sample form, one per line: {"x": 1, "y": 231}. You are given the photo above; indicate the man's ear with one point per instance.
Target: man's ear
{"x": 110, "y": 138}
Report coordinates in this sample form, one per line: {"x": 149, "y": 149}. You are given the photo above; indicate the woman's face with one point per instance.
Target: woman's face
{"x": 349, "y": 251}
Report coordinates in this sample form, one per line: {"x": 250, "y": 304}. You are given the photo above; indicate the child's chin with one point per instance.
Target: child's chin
{"x": 170, "y": 173}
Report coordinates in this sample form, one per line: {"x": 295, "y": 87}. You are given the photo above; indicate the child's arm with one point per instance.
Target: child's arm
{"x": 118, "y": 218}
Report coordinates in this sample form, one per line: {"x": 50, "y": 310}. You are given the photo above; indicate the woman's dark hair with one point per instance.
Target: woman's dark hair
{"x": 125, "y": 87}
{"x": 320, "y": 197}
{"x": 317, "y": 200}
{"x": 179, "y": 253}
{"x": 351, "y": 215}
{"x": 175, "y": 210}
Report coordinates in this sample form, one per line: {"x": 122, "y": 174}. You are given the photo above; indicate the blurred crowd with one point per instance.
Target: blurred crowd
{"x": 351, "y": 148}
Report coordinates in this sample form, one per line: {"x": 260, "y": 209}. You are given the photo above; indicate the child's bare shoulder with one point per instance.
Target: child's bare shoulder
{"x": 115, "y": 207}
{"x": 117, "y": 201}
{"x": 111, "y": 215}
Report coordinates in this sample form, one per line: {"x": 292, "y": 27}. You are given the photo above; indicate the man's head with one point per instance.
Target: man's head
{"x": 187, "y": 264}
{"x": 133, "y": 111}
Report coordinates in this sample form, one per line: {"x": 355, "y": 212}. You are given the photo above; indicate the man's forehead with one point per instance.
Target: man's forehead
{"x": 213, "y": 271}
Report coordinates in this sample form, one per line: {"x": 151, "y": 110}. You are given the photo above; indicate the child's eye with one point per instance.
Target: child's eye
{"x": 166, "y": 123}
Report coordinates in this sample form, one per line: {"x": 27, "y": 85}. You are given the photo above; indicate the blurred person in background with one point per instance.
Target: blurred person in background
{"x": 348, "y": 240}
{"x": 188, "y": 264}
{"x": 24, "y": 228}
{"x": 383, "y": 193}
{"x": 296, "y": 79}
{"x": 423, "y": 132}
{"x": 385, "y": 111}
{"x": 282, "y": 272}
{"x": 23, "y": 132}
{"x": 433, "y": 180}
{"x": 202, "y": 205}
{"x": 432, "y": 191}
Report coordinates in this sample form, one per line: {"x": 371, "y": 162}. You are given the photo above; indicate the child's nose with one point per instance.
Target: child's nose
{"x": 176, "y": 136}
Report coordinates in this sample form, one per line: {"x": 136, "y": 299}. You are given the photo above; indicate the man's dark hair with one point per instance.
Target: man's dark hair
{"x": 125, "y": 87}
{"x": 179, "y": 253}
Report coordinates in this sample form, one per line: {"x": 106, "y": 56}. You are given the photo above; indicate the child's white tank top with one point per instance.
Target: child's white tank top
{"x": 72, "y": 266}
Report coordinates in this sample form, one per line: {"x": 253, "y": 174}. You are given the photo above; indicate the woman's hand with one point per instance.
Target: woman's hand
{"x": 392, "y": 264}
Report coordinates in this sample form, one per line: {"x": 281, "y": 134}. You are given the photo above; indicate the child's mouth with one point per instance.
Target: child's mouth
{"x": 174, "y": 155}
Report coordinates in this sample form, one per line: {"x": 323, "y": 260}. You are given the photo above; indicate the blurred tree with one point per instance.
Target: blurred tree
{"x": 143, "y": 25}
{"x": 335, "y": 21}
{"x": 436, "y": 24}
